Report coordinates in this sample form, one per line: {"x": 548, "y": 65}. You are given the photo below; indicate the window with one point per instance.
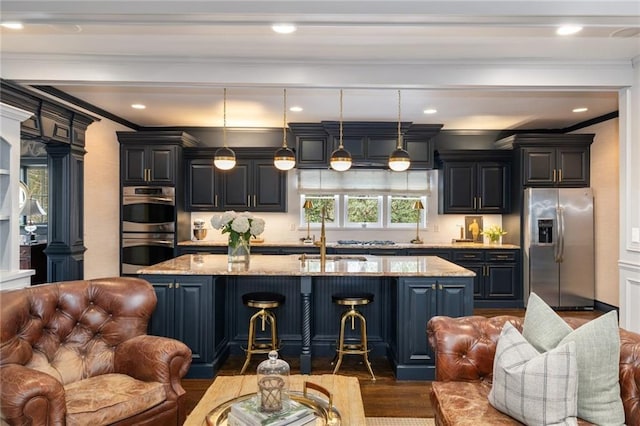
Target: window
{"x": 363, "y": 211}
{"x": 402, "y": 212}
{"x": 37, "y": 180}
{"x": 314, "y": 213}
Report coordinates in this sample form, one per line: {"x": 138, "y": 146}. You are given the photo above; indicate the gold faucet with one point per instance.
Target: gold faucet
{"x": 323, "y": 240}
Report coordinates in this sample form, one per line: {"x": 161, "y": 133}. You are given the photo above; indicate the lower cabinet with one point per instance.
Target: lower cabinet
{"x": 186, "y": 310}
{"x": 421, "y": 299}
{"x": 497, "y": 282}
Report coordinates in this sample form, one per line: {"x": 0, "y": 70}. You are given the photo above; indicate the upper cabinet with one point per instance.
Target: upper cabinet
{"x": 474, "y": 181}
{"x": 369, "y": 143}
{"x": 152, "y": 157}
{"x": 551, "y": 160}
{"x": 254, "y": 184}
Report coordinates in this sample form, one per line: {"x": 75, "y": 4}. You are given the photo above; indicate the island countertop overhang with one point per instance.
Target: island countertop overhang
{"x": 293, "y": 265}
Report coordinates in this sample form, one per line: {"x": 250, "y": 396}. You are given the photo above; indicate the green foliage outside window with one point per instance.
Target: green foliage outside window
{"x": 362, "y": 209}
{"x": 314, "y": 214}
{"x": 402, "y": 210}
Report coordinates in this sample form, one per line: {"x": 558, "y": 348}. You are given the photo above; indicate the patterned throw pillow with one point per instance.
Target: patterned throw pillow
{"x": 534, "y": 388}
{"x": 597, "y": 352}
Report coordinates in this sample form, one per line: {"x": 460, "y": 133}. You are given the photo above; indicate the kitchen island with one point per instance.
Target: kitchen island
{"x": 199, "y": 302}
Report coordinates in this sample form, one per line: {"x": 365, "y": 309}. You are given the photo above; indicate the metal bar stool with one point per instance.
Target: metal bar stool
{"x": 352, "y": 300}
{"x": 262, "y": 301}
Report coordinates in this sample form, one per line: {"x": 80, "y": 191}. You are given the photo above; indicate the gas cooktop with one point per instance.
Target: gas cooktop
{"x": 366, "y": 243}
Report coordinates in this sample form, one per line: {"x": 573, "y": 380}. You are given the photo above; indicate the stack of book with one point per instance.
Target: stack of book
{"x": 247, "y": 413}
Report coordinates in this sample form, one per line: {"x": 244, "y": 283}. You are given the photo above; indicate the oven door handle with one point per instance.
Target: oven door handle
{"x": 139, "y": 242}
{"x": 146, "y": 200}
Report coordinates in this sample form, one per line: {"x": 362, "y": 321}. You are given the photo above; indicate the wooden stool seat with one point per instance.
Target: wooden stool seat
{"x": 359, "y": 348}
{"x": 262, "y": 301}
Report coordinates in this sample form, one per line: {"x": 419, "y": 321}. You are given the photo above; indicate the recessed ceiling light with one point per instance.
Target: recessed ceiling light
{"x": 284, "y": 28}
{"x": 568, "y": 29}
{"x": 138, "y": 106}
{"x": 581, "y": 109}
{"x": 430, "y": 111}
{"x": 13, "y": 25}
{"x": 295, "y": 109}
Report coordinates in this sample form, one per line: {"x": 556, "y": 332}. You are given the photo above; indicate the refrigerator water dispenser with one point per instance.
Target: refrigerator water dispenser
{"x": 545, "y": 231}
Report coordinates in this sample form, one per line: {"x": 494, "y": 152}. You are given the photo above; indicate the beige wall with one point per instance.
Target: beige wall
{"x": 102, "y": 200}
{"x": 605, "y": 184}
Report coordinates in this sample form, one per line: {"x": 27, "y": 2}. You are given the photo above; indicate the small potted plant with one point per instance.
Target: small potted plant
{"x": 494, "y": 233}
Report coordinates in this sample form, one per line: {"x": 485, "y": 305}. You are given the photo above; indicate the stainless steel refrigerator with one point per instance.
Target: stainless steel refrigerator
{"x": 559, "y": 246}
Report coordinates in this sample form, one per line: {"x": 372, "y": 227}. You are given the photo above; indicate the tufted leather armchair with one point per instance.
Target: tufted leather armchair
{"x": 464, "y": 350}
{"x": 77, "y": 353}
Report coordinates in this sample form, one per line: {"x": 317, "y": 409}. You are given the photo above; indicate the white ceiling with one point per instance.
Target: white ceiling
{"x": 463, "y": 58}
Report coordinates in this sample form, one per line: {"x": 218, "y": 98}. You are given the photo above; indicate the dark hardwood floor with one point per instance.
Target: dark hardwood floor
{"x": 385, "y": 397}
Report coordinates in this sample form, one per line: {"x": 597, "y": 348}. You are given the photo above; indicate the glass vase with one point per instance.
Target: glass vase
{"x": 239, "y": 251}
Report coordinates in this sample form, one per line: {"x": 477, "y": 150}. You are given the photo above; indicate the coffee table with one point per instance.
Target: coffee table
{"x": 345, "y": 390}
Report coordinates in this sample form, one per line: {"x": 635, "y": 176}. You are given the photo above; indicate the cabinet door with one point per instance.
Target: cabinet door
{"x": 573, "y": 166}
{"x": 493, "y": 187}
{"x": 379, "y": 148}
{"x": 312, "y": 151}
{"x": 162, "y": 164}
{"x": 454, "y": 298}
{"x": 269, "y": 187}
{"x": 193, "y": 317}
{"x": 134, "y": 165}
{"x": 501, "y": 281}
{"x": 459, "y": 188}
{"x": 202, "y": 192}
{"x": 236, "y": 186}
{"x": 419, "y": 305}
{"x": 539, "y": 166}
{"x": 161, "y": 323}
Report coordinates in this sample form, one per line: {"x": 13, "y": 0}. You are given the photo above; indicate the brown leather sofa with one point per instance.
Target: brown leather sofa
{"x": 77, "y": 353}
{"x": 464, "y": 351}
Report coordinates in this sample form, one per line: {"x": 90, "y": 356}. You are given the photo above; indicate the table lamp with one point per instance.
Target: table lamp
{"x": 307, "y": 206}
{"x": 31, "y": 207}
{"x": 417, "y": 206}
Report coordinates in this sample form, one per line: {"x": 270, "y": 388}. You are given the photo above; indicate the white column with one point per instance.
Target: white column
{"x": 629, "y": 262}
{"x": 10, "y": 274}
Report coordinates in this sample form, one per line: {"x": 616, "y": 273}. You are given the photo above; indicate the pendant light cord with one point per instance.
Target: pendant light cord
{"x": 284, "y": 121}
{"x": 399, "y": 133}
{"x": 224, "y": 118}
{"x": 341, "y": 119}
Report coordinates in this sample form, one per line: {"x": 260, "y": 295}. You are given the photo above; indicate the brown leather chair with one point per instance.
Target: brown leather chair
{"x": 77, "y": 353}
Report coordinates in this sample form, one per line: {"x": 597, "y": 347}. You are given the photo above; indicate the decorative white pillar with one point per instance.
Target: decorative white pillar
{"x": 10, "y": 274}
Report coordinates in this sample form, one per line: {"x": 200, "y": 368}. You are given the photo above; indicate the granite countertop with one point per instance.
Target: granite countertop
{"x": 399, "y": 246}
{"x": 293, "y": 265}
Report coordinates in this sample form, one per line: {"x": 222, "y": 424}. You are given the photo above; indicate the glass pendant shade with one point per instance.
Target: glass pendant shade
{"x": 399, "y": 160}
{"x": 340, "y": 160}
{"x": 284, "y": 159}
{"x": 224, "y": 159}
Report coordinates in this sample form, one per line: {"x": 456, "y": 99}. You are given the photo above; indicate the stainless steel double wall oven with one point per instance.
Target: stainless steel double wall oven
{"x": 148, "y": 226}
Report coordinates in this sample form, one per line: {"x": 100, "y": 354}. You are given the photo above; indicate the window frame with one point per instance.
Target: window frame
{"x": 363, "y": 225}
{"x": 406, "y": 225}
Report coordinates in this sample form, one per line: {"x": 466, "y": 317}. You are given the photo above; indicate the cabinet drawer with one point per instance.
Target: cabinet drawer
{"x": 467, "y": 256}
{"x": 502, "y": 256}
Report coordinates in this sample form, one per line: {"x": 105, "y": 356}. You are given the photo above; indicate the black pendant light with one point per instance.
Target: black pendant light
{"x": 224, "y": 158}
{"x": 284, "y": 158}
{"x": 399, "y": 159}
{"x": 340, "y": 158}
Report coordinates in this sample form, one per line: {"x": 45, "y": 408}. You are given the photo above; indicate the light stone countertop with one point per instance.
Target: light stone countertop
{"x": 292, "y": 265}
{"x": 399, "y": 246}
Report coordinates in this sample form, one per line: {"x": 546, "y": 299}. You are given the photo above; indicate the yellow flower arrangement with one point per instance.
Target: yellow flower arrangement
{"x": 494, "y": 233}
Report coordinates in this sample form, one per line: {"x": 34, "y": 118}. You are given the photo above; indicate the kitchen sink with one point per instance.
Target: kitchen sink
{"x": 333, "y": 257}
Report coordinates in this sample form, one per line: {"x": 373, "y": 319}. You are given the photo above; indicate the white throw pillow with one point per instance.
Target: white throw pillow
{"x": 534, "y": 388}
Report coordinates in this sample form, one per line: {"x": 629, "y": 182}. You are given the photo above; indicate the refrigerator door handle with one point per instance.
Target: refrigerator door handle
{"x": 560, "y": 255}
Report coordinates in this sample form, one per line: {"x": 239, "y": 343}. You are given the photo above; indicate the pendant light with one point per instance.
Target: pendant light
{"x": 399, "y": 160}
{"x": 284, "y": 158}
{"x": 224, "y": 158}
{"x": 340, "y": 158}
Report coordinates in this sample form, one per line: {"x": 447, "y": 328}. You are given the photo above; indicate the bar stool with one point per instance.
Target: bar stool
{"x": 262, "y": 301}
{"x": 352, "y": 300}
